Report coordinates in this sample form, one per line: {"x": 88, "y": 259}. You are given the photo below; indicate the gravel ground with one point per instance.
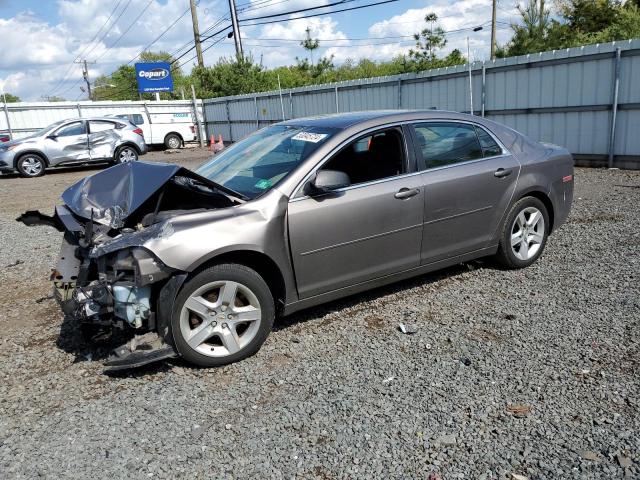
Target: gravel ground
{"x": 531, "y": 372}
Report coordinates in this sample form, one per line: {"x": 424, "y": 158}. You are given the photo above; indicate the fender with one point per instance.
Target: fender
{"x": 30, "y": 150}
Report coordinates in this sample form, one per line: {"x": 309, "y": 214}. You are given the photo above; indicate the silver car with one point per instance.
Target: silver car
{"x": 73, "y": 142}
{"x": 200, "y": 264}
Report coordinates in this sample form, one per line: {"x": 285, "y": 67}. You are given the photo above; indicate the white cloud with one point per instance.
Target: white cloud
{"x": 29, "y": 41}
{"x": 458, "y": 18}
{"x": 319, "y": 27}
{"x": 37, "y": 55}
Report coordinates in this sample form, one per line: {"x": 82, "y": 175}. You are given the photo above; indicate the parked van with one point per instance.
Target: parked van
{"x": 171, "y": 129}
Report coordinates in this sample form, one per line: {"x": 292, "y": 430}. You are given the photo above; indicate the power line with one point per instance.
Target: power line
{"x": 112, "y": 24}
{"x": 320, "y": 14}
{"x": 298, "y": 11}
{"x": 66, "y": 74}
{"x": 126, "y": 30}
{"x": 159, "y": 36}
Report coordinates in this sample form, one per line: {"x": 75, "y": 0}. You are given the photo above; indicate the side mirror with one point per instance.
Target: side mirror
{"x": 53, "y": 136}
{"x": 327, "y": 181}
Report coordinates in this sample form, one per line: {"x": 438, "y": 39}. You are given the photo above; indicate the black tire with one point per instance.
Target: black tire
{"x": 507, "y": 255}
{"x": 31, "y": 165}
{"x": 172, "y": 141}
{"x": 131, "y": 154}
{"x": 247, "y": 278}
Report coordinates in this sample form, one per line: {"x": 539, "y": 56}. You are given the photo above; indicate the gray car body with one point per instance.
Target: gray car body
{"x": 317, "y": 249}
{"x": 75, "y": 149}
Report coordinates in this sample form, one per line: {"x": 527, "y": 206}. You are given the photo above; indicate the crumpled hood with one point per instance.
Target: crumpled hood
{"x": 112, "y": 195}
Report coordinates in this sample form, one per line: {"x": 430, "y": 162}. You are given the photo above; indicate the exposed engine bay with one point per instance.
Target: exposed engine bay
{"x": 104, "y": 278}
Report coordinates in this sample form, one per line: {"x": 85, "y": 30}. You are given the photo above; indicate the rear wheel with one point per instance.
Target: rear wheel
{"x": 222, "y": 315}
{"x": 524, "y": 233}
{"x": 172, "y": 141}
{"x": 125, "y": 154}
{"x": 31, "y": 165}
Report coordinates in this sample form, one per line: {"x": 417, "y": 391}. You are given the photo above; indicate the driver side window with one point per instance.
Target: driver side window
{"x": 371, "y": 157}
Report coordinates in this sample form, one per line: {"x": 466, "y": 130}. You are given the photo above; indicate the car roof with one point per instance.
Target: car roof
{"x": 346, "y": 120}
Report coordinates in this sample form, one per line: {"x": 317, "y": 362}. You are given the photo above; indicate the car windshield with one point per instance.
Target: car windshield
{"x": 254, "y": 165}
{"x": 44, "y": 130}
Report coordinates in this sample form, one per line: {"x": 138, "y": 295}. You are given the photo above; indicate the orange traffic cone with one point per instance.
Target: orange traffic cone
{"x": 219, "y": 145}
{"x": 212, "y": 142}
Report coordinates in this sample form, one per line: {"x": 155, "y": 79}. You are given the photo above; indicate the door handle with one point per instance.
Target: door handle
{"x": 502, "y": 172}
{"x": 405, "y": 193}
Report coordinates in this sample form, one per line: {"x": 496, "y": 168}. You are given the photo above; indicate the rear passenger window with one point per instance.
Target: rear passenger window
{"x": 489, "y": 146}
{"x": 446, "y": 143}
{"x": 137, "y": 119}
{"x": 99, "y": 126}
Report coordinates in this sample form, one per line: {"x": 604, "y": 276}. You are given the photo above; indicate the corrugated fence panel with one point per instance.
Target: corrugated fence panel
{"x": 28, "y": 117}
{"x": 563, "y": 97}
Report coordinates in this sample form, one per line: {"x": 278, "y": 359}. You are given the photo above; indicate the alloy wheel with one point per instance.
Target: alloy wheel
{"x": 220, "y": 318}
{"x": 127, "y": 155}
{"x": 31, "y": 166}
{"x": 527, "y": 233}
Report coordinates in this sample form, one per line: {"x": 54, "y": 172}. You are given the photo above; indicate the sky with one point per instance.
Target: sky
{"x": 41, "y": 39}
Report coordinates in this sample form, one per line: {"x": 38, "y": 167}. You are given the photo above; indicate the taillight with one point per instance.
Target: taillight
{"x": 193, "y": 128}
{"x": 567, "y": 179}
{"x": 138, "y": 131}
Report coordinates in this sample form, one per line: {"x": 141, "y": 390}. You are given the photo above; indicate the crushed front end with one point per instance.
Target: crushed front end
{"x": 106, "y": 281}
{"x": 105, "y": 278}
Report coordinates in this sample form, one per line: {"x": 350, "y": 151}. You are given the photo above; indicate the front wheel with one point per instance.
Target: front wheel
{"x": 31, "y": 165}
{"x": 126, "y": 154}
{"x": 524, "y": 233}
{"x": 222, "y": 315}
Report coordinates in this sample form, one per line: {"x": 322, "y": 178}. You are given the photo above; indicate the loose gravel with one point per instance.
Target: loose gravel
{"x": 531, "y": 372}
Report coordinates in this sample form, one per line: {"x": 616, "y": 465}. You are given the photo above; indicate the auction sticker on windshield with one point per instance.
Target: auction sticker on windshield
{"x": 309, "y": 137}
{"x": 263, "y": 184}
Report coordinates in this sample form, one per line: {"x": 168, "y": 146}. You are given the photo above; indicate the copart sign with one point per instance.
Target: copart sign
{"x": 154, "y": 77}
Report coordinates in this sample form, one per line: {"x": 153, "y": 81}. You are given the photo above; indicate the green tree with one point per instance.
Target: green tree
{"x": 9, "y": 98}
{"x": 581, "y": 22}
{"x": 428, "y": 43}
{"x": 532, "y": 35}
{"x": 310, "y": 44}
{"x": 229, "y": 77}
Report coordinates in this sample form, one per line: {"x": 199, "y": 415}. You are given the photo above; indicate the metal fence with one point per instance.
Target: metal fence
{"x": 21, "y": 119}
{"x": 586, "y": 99}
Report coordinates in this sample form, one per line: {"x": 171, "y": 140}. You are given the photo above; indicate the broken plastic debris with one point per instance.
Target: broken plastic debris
{"x": 407, "y": 329}
{"x": 519, "y": 410}
{"x": 516, "y": 476}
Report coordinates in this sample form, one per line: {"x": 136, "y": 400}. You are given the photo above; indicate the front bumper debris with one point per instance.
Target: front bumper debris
{"x": 139, "y": 351}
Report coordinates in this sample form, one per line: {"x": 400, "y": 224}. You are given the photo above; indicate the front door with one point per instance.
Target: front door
{"x": 468, "y": 182}
{"x": 68, "y": 144}
{"x": 370, "y": 229}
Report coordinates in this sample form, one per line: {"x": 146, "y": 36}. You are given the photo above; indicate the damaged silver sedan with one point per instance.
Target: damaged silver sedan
{"x": 199, "y": 264}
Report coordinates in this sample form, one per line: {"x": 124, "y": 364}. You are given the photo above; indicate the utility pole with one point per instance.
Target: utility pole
{"x": 236, "y": 30}
{"x": 470, "y": 79}
{"x": 85, "y": 75}
{"x": 493, "y": 30}
{"x": 196, "y": 32}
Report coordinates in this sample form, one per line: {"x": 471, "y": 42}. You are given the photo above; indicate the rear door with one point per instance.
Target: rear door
{"x": 68, "y": 143}
{"x": 469, "y": 180}
{"x": 103, "y": 139}
{"x": 368, "y": 230}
